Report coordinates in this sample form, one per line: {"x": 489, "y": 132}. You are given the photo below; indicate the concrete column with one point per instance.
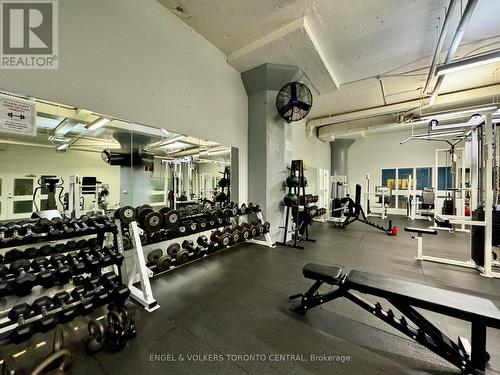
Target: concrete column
{"x": 339, "y": 156}
{"x": 135, "y": 181}
{"x": 267, "y": 137}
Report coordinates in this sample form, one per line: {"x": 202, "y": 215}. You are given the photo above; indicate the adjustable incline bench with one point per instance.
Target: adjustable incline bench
{"x": 406, "y": 296}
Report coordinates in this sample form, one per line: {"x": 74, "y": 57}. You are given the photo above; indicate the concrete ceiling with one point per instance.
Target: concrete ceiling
{"x": 346, "y": 47}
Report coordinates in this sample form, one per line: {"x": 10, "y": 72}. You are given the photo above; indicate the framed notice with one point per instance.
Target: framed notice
{"x": 17, "y": 116}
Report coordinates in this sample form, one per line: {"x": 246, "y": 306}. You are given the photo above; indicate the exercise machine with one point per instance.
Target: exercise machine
{"x": 354, "y": 212}
{"x": 383, "y": 198}
{"x": 407, "y": 297}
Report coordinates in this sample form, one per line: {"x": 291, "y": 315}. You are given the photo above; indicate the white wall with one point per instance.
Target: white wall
{"x": 137, "y": 61}
{"x": 313, "y": 151}
{"x": 371, "y": 154}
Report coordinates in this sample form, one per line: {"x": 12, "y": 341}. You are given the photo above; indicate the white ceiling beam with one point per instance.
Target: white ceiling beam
{"x": 269, "y": 38}
{"x": 310, "y": 33}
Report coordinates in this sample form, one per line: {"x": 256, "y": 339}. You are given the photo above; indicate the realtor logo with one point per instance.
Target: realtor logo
{"x": 29, "y": 34}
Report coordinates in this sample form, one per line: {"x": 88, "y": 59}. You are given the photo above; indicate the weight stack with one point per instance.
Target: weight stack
{"x": 448, "y": 207}
{"x": 477, "y": 236}
{"x": 336, "y": 204}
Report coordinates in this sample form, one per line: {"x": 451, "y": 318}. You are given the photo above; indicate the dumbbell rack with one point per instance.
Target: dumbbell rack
{"x": 141, "y": 273}
{"x": 297, "y": 223}
{"x": 53, "y": 240}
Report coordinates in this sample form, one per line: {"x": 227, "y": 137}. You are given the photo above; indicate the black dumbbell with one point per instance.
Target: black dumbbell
{"x": 125, "y": 214}
{"x": 62, "y": 224}
{"x": 24, "y": 281}
{"x": 104, "y": 259}
{"x": 164, "y": 262}
{"x": 120, "y": 292}
{"x": 181, "y": 256}
{"x": 3, "y": 234}
{"x": 202, "y": 224}
{"x": 88, "y": 258}
{"x": 19, "y": 313}
{"x": 85, "y": 223}
{"x": 192, "y": 226}
{"x": 68, "y": 311}
{"x": 222, "y": 239}
{"x": 14, "y": 229}
{"x": 244, "y": 232}
{"x": 258, "y": 225}
{"x": 85, "y": 305}
{"x": 62, "y": 271}
{"x": 13, "y": 255}
{"x": 203, "y": 241}
{"x": 75, "y": 224}
{"x": 77, "y": 267}
{"x": 44, "y": 277}
{"x": 5, "y": 285}
{"x": 267, "y": 226}
{"x": 170, "y": 217}
{"x": 182, "y": 230}
{"x": 27, "y": 231}
{"x": 148, "y": 219}
{"x": 116, "y": 257}
{"x": 234, "y": 236}
{"x": 154, "y": 255}
{"x": 45, "y": 250}
{"x": 42, "y": 306}
{"x": 30, "y": 253}
{"x": 189, "y": 246}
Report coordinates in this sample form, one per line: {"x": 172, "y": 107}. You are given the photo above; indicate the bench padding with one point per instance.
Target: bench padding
{"x": 458, "y": 305}
{"x": 421, "y": 230}
{"x": 328, "y": 274}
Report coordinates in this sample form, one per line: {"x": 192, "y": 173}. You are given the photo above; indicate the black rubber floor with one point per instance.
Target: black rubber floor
{"x": 228, "y": 314}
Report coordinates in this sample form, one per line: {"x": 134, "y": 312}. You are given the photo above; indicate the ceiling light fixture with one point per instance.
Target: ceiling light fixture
{"x": 98, "y": 123}
{"x": 488, "y": 58}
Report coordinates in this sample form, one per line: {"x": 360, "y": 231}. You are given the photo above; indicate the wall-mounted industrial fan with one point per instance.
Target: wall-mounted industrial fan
{"x": 294, "y": 101}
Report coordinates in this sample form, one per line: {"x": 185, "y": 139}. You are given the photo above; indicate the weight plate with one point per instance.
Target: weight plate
{"x": 215, "y": 235}
{"x": 182, "y": 256}
{"x": 197, "y": 251}
{"x": 225, "y": 239}
{"x": 141, "y": 214}
{"x": 203, "y": 224}
{"x": 267, "y": 227}
{"x": 125, "y": 214}
{"x": 193, "y": 227}
{"x": 235, "y": 237}
{"x": 245, "y": 234}
{"x": 253, "y": 231}
{"x": 153, "y": 221}
{"x": 164, "y": 210}
{"x": 164, "y": 263}
{"x": 154, "y": 255}
{"x": 182, "y": 229}
{"x": 171, "y": 217}
{"x": 173, "y": 249}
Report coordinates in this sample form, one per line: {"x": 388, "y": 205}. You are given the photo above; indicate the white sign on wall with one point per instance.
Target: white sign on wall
{"x": 17, "y": 116}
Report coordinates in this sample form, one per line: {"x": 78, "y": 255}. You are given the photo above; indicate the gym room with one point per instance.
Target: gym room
{"x": 250, "y": 187}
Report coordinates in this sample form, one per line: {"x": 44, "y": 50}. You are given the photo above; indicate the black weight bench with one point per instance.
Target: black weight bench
{"x": 405, "y": 296}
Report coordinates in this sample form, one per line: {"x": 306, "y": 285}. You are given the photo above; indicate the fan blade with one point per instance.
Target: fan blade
{"x": 303, "y": 106}
{"x": 293, "y": 90}
{"x": 283, "y": 111}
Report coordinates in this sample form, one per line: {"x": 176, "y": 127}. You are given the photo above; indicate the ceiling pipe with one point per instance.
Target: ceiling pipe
{"x": 439, "y": 46}
{"x": 455, "y": 43}
{"x": 460, "y": 98}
